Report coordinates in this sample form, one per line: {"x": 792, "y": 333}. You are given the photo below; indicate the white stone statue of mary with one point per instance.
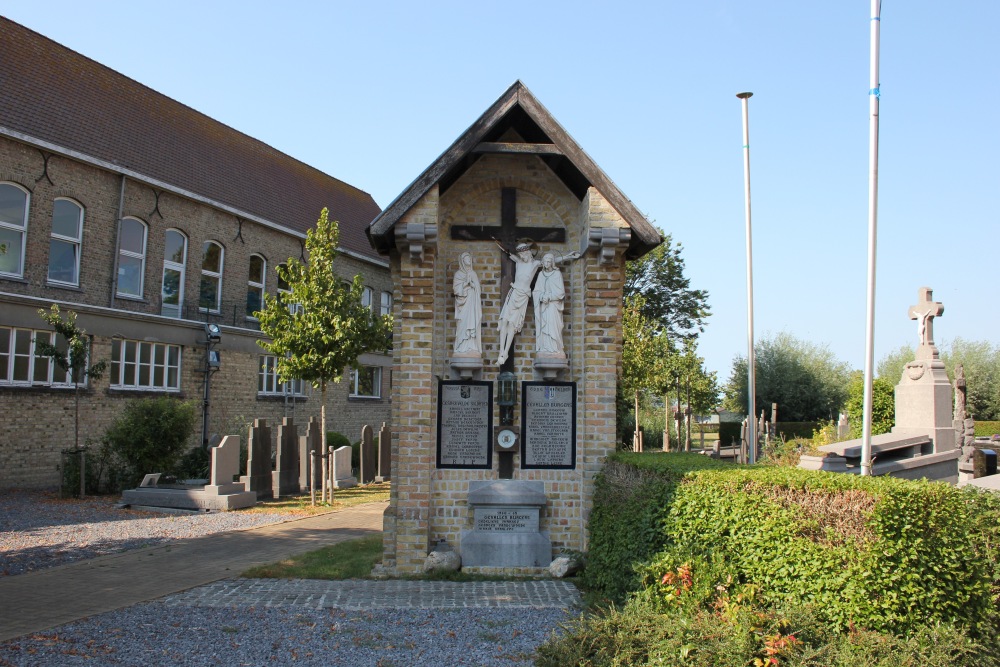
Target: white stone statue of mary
{"x": 468, "y": 309}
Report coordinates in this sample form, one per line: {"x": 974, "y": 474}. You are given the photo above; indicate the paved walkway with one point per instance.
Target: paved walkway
{"x": 46, "y": 598}
{"x": 199, "y": 572}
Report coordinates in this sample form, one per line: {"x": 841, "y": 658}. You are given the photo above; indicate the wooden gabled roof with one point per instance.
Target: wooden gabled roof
{"x": 59, "y": 100}
{"x": 517, "y": 109}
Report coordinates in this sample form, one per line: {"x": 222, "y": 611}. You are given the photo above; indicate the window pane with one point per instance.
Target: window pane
{"x": 171, "y": 287}
{"x": 20, "y": 369}
{"x": 175, "y": 247}
{"x": 172, "y": 378}
{"x": 66, "y": 219}
{"x": 133, "y": 236}
{"x": 10, "y": 261}
{"x": 4, "y": 353}
{"x": 41, "y": 369}
{"x": 158, "y": 376}
{"x": 144, "y": 375}
{"x": 130, "y": 275}
{"x": 254, "y": 301}
{"x": 256, "y": 269}
{"x": 13, "y": 201}
{"x": 172, "y": 355}
{"x": 130, "y": 352}
{"x": 209, "y": 294}
{"x": 211, "y": 257}
{"x": 22, "y": 342}
{"x": 62, "y": 261}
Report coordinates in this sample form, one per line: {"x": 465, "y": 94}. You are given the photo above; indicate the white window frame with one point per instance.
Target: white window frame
{"x": 385, "y": 306}
{"x": 170, "y": 265}
{"x": 253, "y": 286}
{"x": 132, "y": 254}
{"x": 212, "y": 275}
{"x": 76, "y": 242}
{"x": 268, "y": 383}
{"x": 376, "y": 372}
{"x": 121, "y": 363}
{"x": 22, "y": 230}
{"x": 53, "y": 374}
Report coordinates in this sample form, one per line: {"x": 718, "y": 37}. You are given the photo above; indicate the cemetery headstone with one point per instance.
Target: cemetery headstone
{"x": 259, "y": 459}
{"x": 225, "y": 461}
{"x": 341, "y": 469}
{"x": 369, "y": 455}
{"x": 384, "y": 454}
{"x": 312, "y": 441}
{"x": 285, "y": 480}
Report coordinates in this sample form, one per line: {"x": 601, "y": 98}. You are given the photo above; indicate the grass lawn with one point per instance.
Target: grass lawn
{"x": 301, "y": 505}
{"x": 352, "y": 559}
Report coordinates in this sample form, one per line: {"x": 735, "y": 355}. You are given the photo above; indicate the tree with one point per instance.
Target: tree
{"x": 669, "y": 301}
{"x": 71, "y": 359}
{"x": 883, "y": 405}
{"x": 327, "y": 328}
{"x": 890, "y": 367}
{"x": 806, "y": 381}
{"x": 646, "y": 353}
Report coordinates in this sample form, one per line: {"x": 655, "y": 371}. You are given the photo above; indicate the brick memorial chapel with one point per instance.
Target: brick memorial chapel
{"x": 507, "y": 257}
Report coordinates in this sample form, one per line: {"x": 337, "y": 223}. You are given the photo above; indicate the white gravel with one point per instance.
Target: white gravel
{"x": 39, "y": 530}
{"x": 154, "y": 634}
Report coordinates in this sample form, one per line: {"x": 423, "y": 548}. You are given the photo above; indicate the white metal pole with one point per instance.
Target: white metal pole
{"x": 873, "y": 95}
{"x": 751, "y": 384}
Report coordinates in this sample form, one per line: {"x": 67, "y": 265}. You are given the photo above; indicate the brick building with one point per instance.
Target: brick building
{"x": 149, "y": 219}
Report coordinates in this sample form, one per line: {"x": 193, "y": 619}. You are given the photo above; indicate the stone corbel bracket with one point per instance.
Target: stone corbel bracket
{"x": 412, "y": 236}
{"x": 607, "y": 239}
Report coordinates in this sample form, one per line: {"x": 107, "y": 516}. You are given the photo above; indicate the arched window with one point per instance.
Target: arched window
{"x": 174, "y": 261}
{"x": 131, "y": 257}
{"x": 210, "y": 294}
{"x": 255, "y": 285}
{"x": 64, "y": 246}
{"x": 284, "y": 292}
{"x": 13, "y": 227}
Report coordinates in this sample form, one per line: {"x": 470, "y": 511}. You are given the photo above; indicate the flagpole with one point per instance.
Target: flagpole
{"x": 873, "y": 99}
{"x": 751, "y": 363}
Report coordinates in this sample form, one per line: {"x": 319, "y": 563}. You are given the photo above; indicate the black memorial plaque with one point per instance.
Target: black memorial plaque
{"x": 548, "y": 425}
{"x": 464, "y": 424}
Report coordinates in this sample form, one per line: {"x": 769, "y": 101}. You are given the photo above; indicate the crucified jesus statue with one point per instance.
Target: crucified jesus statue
{"x": 516, "y": 304}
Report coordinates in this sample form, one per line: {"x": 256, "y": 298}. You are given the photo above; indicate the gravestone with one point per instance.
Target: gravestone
{"x": 225, "y": 461}
{"x": 369, "y": 456}
{"x": 516, "y": 230}
{"x": 384, "y": 454}
{"x": 340, "y": 471}
{"x": 285, "y": 478}
{"x": 311, "y": 442}
{"x": 258, "y": 478}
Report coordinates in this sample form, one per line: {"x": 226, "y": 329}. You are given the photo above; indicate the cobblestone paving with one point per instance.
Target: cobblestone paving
{"x": 392, "y": 594}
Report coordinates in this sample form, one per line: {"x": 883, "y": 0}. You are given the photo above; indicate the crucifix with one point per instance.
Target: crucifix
{"x": 508, "y": 235}
{"x": 924, "y": 312}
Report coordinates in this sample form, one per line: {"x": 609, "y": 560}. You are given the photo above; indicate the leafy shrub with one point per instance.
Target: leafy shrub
{"x": 624, "y": 525}
{"x": 196, "y": 464}
{"x": 729, "y": 433}
{"x": 789, "y": 430}
{"x": 338, "y": 440}
{"x": 150, "y": 435}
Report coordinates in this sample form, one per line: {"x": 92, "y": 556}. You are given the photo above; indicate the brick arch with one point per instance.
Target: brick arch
{"x": 519, "y": 183}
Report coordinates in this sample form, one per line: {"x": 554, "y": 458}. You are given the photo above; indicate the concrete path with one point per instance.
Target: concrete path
{"x": 47, "y": 598}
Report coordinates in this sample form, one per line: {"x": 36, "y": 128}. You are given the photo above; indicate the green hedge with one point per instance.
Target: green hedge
{"x": 729, "y": 433}
{"x": 884, "y": 554}
{"x": 986, "y": 429}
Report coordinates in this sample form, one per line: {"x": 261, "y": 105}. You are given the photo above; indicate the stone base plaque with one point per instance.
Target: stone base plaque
{"x": 505, "y": 526}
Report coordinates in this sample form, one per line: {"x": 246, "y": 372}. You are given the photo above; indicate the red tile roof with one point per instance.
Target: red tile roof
{"x": 54, "y": 94}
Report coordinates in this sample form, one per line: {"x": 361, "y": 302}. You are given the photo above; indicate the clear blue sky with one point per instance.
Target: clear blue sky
{"x": 373, "y": 92}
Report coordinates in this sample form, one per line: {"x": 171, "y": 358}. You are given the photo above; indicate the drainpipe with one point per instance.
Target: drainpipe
{"x": 118, "y": 240}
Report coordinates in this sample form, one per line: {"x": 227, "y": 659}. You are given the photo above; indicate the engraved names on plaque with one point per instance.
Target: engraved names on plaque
{"x": 548, "y": 428}
{"x": 464, "y": 425}
{"x": 507, "y": 519}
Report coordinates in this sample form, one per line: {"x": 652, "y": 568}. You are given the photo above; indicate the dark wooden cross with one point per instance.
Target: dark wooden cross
{"x": 508, "y": 234}
{"x": 925, "y": 312}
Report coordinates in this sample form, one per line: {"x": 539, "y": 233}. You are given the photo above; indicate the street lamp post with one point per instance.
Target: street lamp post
{"x": 751, "y": 385}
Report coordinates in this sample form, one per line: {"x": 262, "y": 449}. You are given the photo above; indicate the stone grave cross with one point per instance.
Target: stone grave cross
{"x": 924, "y": 312}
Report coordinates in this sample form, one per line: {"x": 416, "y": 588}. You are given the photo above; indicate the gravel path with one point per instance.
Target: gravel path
{"x": 39, "y": 530}
{"x": 155, "y": 634}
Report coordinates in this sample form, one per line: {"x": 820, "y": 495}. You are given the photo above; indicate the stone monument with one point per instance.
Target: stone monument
{"x": 285, "y": 477}
{"x": 922, "y": 443}
{"x": 258, "y": 478}
{"x": 496, "y": 459}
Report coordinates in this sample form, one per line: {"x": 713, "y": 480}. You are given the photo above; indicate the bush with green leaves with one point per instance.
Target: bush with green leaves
{"x": 150, "y": 435}
{"x": 879, "y": 553}
{"x": 883, "y": 405}
{"x": 987, "y": 429}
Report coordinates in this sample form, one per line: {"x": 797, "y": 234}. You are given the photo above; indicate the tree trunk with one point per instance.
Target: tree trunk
{"x": 322, "y": 421}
